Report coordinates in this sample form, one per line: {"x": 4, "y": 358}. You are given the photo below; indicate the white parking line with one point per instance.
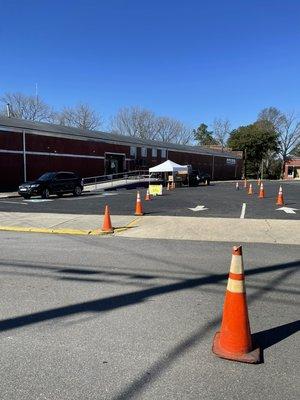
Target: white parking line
{"x": 89, "y": 196}
{"x": 243, "y": 210}
{"x": 39, "y": 200}
{"x": 13, "y": 202}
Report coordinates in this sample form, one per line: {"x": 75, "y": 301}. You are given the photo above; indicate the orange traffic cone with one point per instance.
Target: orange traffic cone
{"x": 245, "y": 183}
{"x": 107, "y": 227}
{"x": 234, "y": 342}
{"x": 250, "y": 190}
{"x": 261, "y": 191}
{"x": 280, "y": 201}
{"x": 237, "y": 186}
{"x": 138, "y": 205}
{"x": 147, "y": 197}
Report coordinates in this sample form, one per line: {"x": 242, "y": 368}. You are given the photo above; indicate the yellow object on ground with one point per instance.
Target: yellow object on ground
{"x": 155, "y": 190}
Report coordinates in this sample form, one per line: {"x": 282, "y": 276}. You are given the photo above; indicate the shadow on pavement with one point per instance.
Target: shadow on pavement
{"x": 265, "y": 338}
{"x": 275, "y": 335}
{"x": 127, "y": 299}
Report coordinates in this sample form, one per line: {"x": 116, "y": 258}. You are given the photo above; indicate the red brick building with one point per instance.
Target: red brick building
{"x": 28, "y": 149}
{"x": 292, "y": 168}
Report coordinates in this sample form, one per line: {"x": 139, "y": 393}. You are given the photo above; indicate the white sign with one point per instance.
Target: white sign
{"x": 231, "y": 161}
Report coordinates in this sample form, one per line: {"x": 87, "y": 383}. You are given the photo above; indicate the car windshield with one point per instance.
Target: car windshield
{"x": 47, "y": 176}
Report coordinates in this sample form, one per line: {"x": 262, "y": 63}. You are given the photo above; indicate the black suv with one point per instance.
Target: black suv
{"x": 52, "y": 183}
{"x": 196, "y": 177}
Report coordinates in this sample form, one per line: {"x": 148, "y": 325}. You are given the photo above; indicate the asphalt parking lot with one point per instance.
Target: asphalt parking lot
{"x": 132, "y": 316}
{"x": 217, "y": 200}
{"x": 121, "y": 319}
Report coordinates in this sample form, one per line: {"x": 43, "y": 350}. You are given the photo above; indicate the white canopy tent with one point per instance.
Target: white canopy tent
{"x": 166, "y": 168}
{"x": 169, "y": 166}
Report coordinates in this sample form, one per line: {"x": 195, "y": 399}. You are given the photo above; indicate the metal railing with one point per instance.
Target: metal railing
{"x": 122, "y": 177}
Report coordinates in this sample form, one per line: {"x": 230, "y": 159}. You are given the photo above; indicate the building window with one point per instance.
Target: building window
{"x": 144, "y": 151}
{"x": 154, "y": 152}
{"x": 133, "y": 151}
{"x": 163, "y": 153}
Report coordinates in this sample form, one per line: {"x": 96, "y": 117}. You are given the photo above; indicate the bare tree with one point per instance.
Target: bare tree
{"x": 286, "y": 126}
{"x": 221, "y": 129}
{"x": 81, "y": 116}
{"x": 173, "y": 131}
{"x": 143, "y": 123}
{"x": 27, "y": 107}
{"x": 135, "y": 121}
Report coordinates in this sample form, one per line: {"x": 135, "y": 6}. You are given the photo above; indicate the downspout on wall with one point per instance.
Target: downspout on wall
{"x": 24, "y": 156}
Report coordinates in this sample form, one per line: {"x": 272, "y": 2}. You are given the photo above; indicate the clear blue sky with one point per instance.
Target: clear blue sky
{"x": 193, "y": 60}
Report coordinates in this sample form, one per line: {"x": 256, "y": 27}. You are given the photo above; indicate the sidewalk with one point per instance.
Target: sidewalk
{"x": 158, "y": 227}
{"x": 216, "y": 229}
{"x": 72, "y": 224}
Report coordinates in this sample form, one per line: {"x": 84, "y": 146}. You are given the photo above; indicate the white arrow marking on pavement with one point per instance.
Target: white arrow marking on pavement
{"x": 198, "y": 208}
{"x": 288, "y": 210}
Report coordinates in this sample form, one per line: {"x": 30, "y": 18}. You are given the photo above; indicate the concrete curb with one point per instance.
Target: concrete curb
{"x": 68, "y": 231}
{"x": 50, "y": 230}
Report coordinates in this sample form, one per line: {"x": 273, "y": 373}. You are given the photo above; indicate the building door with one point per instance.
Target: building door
{"x": 114, "y": 163}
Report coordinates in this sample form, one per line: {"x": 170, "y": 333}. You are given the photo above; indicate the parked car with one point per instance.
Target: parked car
{"x": 49, "y": 183}
{"x": 196, "y": 177}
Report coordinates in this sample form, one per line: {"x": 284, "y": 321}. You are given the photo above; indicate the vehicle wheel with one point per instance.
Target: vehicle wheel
{"x": 45, "y": 194}
{"x": 26, "y": 196}
{"x": 77, "y": 191}
{"x": 207, "y": 182}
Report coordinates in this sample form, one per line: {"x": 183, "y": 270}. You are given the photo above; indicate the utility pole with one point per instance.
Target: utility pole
{"x": 36, "y": 94}
{"x": 245, "y": 163}
{"x": 8, "y": 110}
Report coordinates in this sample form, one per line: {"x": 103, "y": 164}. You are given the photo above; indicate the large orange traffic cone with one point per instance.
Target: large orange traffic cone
{"x": 234, "y": 342}
{"x": 139, "y": 205}
{"x": 261, "y": 191}
{"x": 280, "y": 201}
{"x": 245, "y": 183}
{"x": 250, "y": 190}
{"x": 107, "y": 227}
{"x": 147, "y": 197}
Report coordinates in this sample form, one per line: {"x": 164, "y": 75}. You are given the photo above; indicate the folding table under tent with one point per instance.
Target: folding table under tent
{"x": 168, "y": 166}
